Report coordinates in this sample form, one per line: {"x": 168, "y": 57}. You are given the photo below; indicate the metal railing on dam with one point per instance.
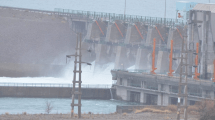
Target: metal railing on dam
{"x": 127, "y": 18}
{"x": 54, "y": 85}
{"x": 108, "y": 16}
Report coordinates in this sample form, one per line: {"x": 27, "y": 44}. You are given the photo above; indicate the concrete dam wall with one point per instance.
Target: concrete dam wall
{"x": 33, "y": 43}
{"x": 55, "y": 92}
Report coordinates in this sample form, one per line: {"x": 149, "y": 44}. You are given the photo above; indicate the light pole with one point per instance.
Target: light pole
{"x": 125, "y": 8}
{"x": 165, "y": 10}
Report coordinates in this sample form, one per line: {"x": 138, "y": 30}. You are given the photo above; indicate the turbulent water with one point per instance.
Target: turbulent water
{"x": 102, "y": 76}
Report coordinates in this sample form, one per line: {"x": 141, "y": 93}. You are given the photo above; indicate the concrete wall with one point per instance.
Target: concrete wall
{"x": 35, "y": 38}
{"x": 54, "y": 92}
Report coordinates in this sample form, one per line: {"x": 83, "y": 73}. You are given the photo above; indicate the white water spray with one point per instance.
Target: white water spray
{"x": 88, "y": 76}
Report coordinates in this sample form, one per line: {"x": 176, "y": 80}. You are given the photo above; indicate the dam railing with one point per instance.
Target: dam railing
{"x": 54, "y": 85}
{"x": 127, "y": 18}
{"x": 108, "y": 16}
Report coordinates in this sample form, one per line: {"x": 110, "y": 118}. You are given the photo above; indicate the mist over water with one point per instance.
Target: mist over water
{"x": 89, "y": 76}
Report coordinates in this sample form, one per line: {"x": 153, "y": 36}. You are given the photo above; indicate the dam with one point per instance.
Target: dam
{"x": 125, "y": 40}
{"x": 111, "y": 37}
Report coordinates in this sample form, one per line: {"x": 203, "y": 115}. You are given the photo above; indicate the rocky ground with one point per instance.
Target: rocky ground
{"x": 124, "y": 116}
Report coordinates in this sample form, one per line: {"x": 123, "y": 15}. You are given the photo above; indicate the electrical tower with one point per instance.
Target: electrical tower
{"x": 183, "y": 80}
{"x": 77, "y": 63}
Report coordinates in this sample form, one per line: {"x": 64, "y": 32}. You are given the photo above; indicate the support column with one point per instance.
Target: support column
{"x": 203, "y": 70}
{"x": 128, "y": 34}
{"x": 162, "y": 61}
{"x": 149, "y": 36}
{"x": 159, "y": 87}
{"x": 166, "y": 96}
{"x": 128, "y": 95}
{"x": 89, "y": 30}
{"x": 101, "y": 56}
{"x": 143, "y": 84}
{"x": 190, "y": 47}
{"x": 160, "y": 96}
{"x": 122, "y": 93}
{"x": 212, "y": 95}
{"x": 203, "y": 93}
{"x": 142, "y": 97}
{"x": 107, "y": 39}
{"x": 142, "y": 61}
{"x": 121, "y": 61}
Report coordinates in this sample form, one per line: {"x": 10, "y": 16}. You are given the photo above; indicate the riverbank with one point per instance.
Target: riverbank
{"x": 113, "y": 116}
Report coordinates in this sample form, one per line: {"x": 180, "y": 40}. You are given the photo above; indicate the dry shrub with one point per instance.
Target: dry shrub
{"x": 124, "y": 114}
{"x": 194, "y": 112}
{"x": 75, "y": 115}
{"x": 161, "y": 111}
{"x": 193, "y": 108}
{"x": 151, "y": 110}
{"x": 24, "y": 113}
{"x": 144, "y": 110}
{"x": 7, "y": 113}
{"x": 206, "y": 109}
{"x": 205, "y": 104}
{"x": 167, "y": 118}
{"x": 172, "y": 108}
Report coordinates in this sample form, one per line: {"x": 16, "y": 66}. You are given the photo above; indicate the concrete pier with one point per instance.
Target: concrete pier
{"x": 163, "y": 62}
{"x": 121, "y": 61}
{"x": 142, "y": 59}
{"x": 136, "y": 33}
{"x": 153, "y": 32}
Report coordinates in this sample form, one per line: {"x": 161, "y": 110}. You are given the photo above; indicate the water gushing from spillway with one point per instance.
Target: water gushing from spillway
{"x": 89, "y": 76}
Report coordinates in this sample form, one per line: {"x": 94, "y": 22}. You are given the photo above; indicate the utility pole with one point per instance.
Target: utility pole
{"x": 184, "y": 56}
{"x": 77, "y": 61}
{"x": 124, "y": 11}
{"x": 125, "y": 8}
{"x": 165, "y": 10}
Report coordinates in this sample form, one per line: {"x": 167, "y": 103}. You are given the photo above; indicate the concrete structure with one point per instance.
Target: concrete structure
{"x": 122, "y": 40}
{"x": 111, "y": 37}
{"x": 54, "y": 92}
{"x": 145, "y": 88}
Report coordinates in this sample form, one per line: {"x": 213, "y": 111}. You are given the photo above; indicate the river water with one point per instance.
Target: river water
{"x": 38, "y": 105}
